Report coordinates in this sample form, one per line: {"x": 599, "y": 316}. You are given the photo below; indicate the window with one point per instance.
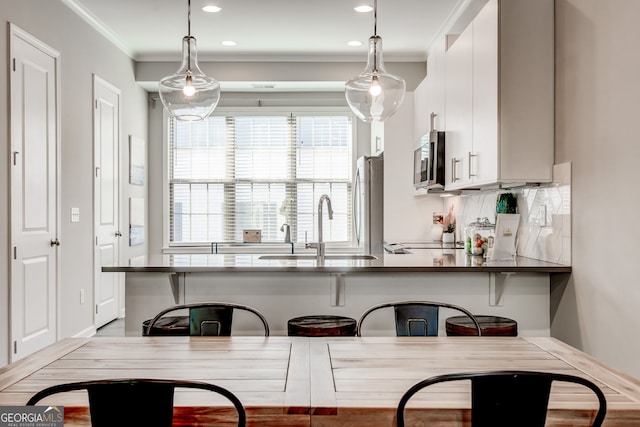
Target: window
{"x": 243, "y": 171}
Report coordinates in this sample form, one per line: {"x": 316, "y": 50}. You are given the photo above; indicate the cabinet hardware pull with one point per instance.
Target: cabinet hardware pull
{"x": 470, "y": 163}
{"x": 453, "y": 169}
{"x": 454, "y": 175}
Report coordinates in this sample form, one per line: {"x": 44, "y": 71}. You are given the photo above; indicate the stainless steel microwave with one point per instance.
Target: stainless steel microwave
{"x": 428, "y": 162}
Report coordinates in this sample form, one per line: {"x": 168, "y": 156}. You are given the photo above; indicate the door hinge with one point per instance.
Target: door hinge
{"x": 14, "y": 64}
{"x": 15, "y": 252}
{"x": 15, "y": 347}
{"x": 96, "y": 308}
{"x": 96, "y": 240}
{"x": 96, "y": 104}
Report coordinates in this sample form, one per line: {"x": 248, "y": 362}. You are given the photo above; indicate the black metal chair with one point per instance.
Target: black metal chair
{"x": 205, "y": 318}
{"x": 135, "y": 402}
{"x": 507, "y": 398}
{"x": 417, "y": 318}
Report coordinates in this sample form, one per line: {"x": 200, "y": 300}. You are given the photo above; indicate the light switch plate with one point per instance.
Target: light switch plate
{"x": 75, "y": 214}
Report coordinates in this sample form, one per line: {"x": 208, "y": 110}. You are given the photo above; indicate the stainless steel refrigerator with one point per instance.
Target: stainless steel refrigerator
{"x": 368, "y": 204}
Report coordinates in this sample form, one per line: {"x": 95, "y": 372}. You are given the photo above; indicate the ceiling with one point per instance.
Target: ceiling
{"x": 274, "y": 30}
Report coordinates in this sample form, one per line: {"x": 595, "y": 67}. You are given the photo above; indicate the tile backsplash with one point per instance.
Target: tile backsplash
{"x": 544, "y": 232}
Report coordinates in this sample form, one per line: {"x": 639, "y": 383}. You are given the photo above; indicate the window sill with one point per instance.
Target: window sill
{"x": 254, "y": 248}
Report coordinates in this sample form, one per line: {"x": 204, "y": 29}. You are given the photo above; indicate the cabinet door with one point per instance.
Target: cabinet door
{"x": 437, "y": 76}
{"x": 483, "y": 159}
{"x": 421, "y": 110}
{"x": 458, "y": 93}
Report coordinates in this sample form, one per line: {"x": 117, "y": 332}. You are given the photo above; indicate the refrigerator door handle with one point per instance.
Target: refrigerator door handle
{"x": 356, "y": 206}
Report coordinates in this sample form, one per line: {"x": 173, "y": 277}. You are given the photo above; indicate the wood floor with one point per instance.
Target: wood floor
{"x": 112, "y": 329}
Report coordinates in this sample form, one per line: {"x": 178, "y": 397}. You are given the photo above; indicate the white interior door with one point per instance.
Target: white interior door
{"x": 106, "y": 133}
{"x": 34, "y": 76}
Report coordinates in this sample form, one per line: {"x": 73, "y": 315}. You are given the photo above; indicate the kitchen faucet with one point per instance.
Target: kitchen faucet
{"x": 287, "y": 232}
{"x": 320, "y": 244}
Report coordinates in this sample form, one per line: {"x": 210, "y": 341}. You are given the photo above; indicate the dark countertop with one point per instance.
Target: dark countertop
{"x": 422, "y": 260}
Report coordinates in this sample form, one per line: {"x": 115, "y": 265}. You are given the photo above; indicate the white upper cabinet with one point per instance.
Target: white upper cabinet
{"x": 420, "y": 110}
{"x": 483, "y": 157}
{"x": 429, "y": 95}
{"x": 500, "y": 96}
{"x": 436, "y": 83}
{"x": 459, "y": 110}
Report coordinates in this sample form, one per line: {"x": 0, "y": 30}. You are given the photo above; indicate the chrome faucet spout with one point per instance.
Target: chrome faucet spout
{"x": 323, "y": 198}
{"x": 319, "y": 246}
{"x": 287, "y": 232}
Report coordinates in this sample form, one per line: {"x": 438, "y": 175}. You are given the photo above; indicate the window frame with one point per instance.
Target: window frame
{"x": 249, "y": 111}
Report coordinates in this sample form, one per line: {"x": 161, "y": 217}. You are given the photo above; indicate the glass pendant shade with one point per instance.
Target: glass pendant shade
{"x": 374, "y": 95}
{"x": 189, "y": 94}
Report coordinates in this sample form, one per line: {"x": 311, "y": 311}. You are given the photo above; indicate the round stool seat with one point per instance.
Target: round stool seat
{"x": 489, "y": 325}
{"x": 321, "y": 326}
{"x": 169, "y": 325}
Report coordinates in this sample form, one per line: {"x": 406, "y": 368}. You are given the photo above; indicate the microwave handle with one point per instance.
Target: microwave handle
{"x": 357, "y": 207}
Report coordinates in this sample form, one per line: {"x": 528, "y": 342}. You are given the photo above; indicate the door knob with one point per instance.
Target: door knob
{"x": 118, "y": 234}
{"x": 55, "y": 242}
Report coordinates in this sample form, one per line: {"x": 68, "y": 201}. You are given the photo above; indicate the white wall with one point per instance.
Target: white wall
{"x": 597, "y": 110}
{"x": 83, "y": 52}
{"x": 407, "y": 217}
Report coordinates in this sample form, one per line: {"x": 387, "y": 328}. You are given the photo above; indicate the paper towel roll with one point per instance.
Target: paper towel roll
{"x": 436, "y": 232}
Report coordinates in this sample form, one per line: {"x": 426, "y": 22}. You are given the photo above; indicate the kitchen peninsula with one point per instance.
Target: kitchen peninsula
{"x": 286, "y": 286}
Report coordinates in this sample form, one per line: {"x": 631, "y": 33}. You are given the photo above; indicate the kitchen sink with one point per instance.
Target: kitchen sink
{"x": 311, "y": 256}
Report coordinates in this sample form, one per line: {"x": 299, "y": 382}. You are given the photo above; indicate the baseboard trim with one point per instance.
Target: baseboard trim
{"x": 86, "y": 333}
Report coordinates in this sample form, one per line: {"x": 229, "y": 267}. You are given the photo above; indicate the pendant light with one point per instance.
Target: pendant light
{"x": 189, "y": 94}
{"x": 374, "y": 95}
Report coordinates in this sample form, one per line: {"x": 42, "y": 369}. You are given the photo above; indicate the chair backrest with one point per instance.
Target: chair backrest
{"x": 208, "y": 318}
{"x": 417, "y": 318}
{"x": 507, "y": 398}
{"x": 132, "y": 402}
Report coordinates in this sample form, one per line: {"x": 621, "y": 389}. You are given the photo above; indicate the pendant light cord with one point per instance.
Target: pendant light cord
{"x": 189, "y": 17}
{"x": 375, "y": 17}
{"x": 189, "y": 35}
{"x": 375, "y": 34}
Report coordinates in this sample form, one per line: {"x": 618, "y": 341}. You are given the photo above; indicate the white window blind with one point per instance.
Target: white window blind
{"x": 235, "y": 172}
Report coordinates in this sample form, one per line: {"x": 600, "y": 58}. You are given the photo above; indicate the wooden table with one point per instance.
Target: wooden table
{"x": 337, "y": 381}
{"x": 359, "y": 381}
{"x": 269, "y": 375}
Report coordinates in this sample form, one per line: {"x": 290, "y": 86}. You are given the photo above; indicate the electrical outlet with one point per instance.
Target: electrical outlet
{"x": 81, "y": 296}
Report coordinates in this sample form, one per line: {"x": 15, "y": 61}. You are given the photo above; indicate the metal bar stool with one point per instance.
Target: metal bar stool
{"x": 321, "y": 326}
{"x": 490, "y": 326}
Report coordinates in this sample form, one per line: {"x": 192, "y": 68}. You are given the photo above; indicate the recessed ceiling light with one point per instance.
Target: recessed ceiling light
{"x": 355, "y": 43}
{"x": 263, "y": 85}
{"x": 363, "y": 8}
{"x": 228, "y": 43}
{"x": 211, "y": 9}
